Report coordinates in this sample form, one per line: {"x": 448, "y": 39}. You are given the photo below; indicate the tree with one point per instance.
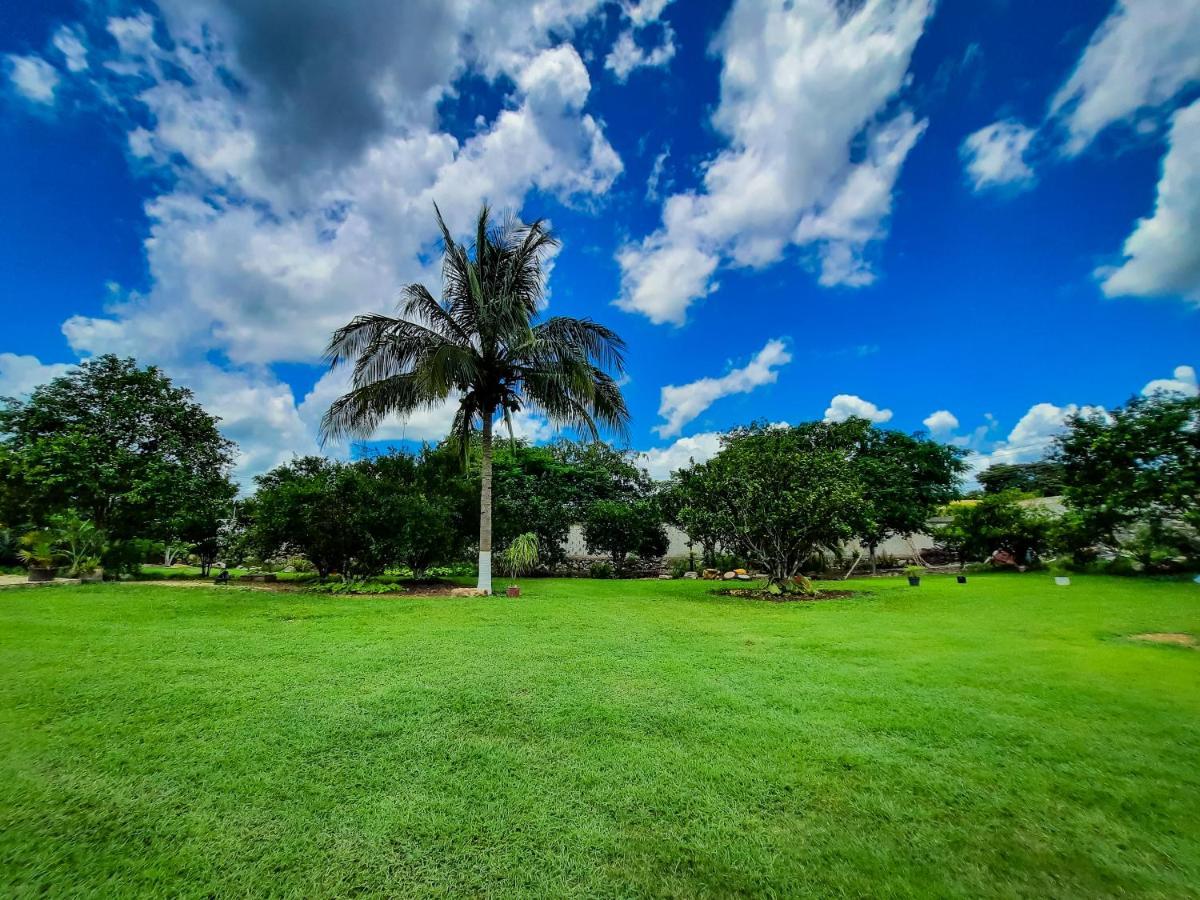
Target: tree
{"x": 1043, "y": 478}
{"x": 905, "y": 479}
{"x": 776, "y": 496}
{"x": 1139, "y": 464}
{"x": 978, "y": 528}
{"x": 480, "y": 345}
{"x": 623, "y": 529}
{"x": 326, "y": 510}
{"x": 119, "y": 444}
{"x": 422, "y": 507}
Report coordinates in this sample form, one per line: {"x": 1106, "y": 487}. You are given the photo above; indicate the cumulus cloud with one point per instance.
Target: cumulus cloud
{"x": 272, "y": 229}
{"x": 660, "y": 462}
{"x": 1183, "y": 382}
{"x": 1139, "y": 59}
{"x": 19, "y": 375}
{"x": 33, "y": 78}
{"x": 847, "y": 406}
{"x": 781, "y": 181}
{"x": 682, "y": 403}
{"x": 995, "y": 155}
{"x": 1033, "y": 434}
{"x": 1162, "y": 254}
{"x": 941, "y": 422}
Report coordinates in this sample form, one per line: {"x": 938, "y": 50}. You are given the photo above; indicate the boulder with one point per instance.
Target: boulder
{"x": 664, "y": 577}
{"x": 712, "y": 574}
{"x": 742, "y": 576}
{"x": 729, "y": 576}
{"x": 690, "y": 575}
{"x": 739, "y": 571}
{"x": 467, "y": 592}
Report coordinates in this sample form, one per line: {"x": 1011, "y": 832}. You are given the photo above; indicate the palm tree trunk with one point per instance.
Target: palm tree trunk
{"x": 485, "y": 507}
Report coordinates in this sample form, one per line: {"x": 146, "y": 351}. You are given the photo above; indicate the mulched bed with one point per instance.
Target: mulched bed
{"x": 758, "y": 594}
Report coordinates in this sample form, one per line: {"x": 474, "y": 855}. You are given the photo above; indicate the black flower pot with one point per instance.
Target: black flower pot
{"x": 42, "y": 573}
{"x": 961, "y": 579}
{"x": 914, "y": 580}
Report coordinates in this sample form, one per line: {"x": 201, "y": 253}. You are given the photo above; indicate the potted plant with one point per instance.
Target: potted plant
{"x": 914, "y": 575}
{"x": 38, "y": 555}
{"x": 80, "y": 544}
{"x": 519, "y": 557}
{"x": 960, "y": 578}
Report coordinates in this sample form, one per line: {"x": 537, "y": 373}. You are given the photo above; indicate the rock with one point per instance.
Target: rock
{"x": 729, "y": 576}
{"x": 744, "y": 577}
{"x": 664, "y": 577}
{"x": 711, "y": 574}
{"x": 739, "y": 571}
{"x": 690, "y": 575}
{"x": 467, "y": 592}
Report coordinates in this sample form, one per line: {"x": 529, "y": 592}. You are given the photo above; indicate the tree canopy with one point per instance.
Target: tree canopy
{"x": 118, "y": 444}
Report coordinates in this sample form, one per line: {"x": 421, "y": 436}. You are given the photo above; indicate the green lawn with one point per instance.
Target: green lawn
{"x": 619, "y": 739}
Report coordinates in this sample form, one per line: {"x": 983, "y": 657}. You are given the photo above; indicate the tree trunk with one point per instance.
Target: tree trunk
{"x": 872, "y": 549}
{"x": 485, "y": 507}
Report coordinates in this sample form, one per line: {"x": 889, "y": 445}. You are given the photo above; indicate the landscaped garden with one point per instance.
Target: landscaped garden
{"x": 602, "y": 738}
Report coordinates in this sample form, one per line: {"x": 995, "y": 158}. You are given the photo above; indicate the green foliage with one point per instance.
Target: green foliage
{"x": 125, "y": 557}
{"x": 37, "y": 550}
{"x": 679, "y": 567}
{"x": 623, "y": 529}
{"x": 904, "y": 478}
{"x": 997, "y": 522}
{"x": 600, "y": 569}
{"x": 1138, "y": 464}
{"x": 914, "y": 571}
{"x": 776, "y": 496}
{"x": 77, "y": 542}
{"x": 120, "y": 444}
{"x": 1043, "y": 478}
{"x": 520, "y": 556}
{"x": 353, "y": 587}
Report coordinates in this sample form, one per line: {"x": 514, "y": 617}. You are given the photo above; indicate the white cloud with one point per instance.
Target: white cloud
{"x": 303, "y": 194}
{"x": 654, "y": 180}
{"x": 19, "y": 375}
{"x": 783, "y": 179}
{"x": 646, "y": 11}
{"x": 846, "y": 406}
{"x": 67, "y": 41}
{"x": 1162, "y": 254}
{"x": 1033, "y": 435}
{"x": 33, "y": 77}
{"x": 681, "y": 404}
{"x": 627, "y": 55}
{"x": 995, "y": 155}
{"x": 1183, "y": 382}
{"x": 941, "y": 422}
{"x": 1142, "y": 55}
{"x": 660, "y": 462}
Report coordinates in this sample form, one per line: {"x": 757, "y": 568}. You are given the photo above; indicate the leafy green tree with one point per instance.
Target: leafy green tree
{"x": 624, "y": 528}
{"x": 905, "y": 479}
{"x": 1138, "y": 464}
{"x": 684, "y": 506}
{"x": 325, "y": 510}
{"x": 1043, "y": 478}
{"x": 480, "y": 344}
{"x": 776, "y": 496}
{"x": 120, "y": 444}
{"x": 978, "y": 528}
{"x": 422, "y": 507}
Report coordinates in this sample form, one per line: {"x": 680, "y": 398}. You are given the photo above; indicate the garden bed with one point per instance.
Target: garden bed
{"x": 760, "y": 594}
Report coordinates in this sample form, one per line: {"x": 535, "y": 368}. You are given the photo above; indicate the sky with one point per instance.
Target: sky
{"x": 972, "y": 219}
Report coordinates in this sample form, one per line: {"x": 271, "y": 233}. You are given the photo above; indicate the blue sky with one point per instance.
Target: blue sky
{"x": 969, "y": 218}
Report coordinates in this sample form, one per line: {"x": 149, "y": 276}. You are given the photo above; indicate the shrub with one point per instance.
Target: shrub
{"x": 600, "y": 570}
{"x": 679, "y": 566}
{"x": 352, "y": 587}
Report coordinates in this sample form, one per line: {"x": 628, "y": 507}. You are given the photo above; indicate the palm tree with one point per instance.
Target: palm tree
{"x": 480, "y": 343}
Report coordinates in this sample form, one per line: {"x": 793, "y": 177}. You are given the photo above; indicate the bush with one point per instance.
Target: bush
{"x": 600, "y": 570}
{"x": 126, "y": 557}
{"x": 353, "y": 587}
{"x": 679, "y": 566}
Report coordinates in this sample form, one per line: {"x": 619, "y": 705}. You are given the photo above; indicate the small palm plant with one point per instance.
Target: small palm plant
{"x": 37, "y": 552}
{"x": 519, "y": 557}
{"x": 79, "y": 543}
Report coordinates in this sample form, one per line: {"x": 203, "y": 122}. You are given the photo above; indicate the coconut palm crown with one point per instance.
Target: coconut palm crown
{"x": 481, "y": 343}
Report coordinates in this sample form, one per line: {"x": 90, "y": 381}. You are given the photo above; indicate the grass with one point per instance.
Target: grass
{"x": 610, "y": 739}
